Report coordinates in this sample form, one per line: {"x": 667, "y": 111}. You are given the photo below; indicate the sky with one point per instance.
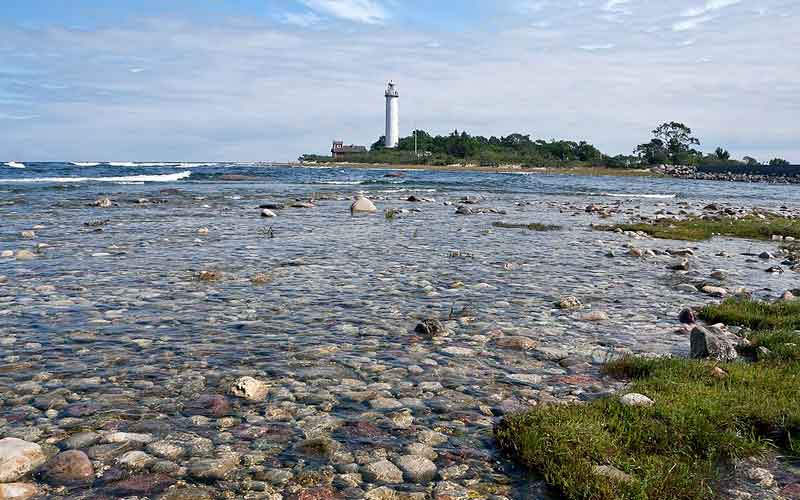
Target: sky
{"x": 247, "y": 80}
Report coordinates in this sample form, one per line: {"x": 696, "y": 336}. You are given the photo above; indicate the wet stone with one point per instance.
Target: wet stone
{"x": 68, "y": 467}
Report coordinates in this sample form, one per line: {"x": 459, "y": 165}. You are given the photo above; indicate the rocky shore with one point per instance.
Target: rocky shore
{"x": 733, "y": 174}
{"x": 188, "y": 344}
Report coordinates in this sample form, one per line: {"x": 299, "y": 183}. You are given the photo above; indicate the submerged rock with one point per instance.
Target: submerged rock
{"x": 431, "y": 328}
{"x": 363, "y": 205}
{"x": 18, "y": 458}
{"x": 569, "y": 302}
{"x": 68, "y": 467}
{"x": 250, "y": 389}
{"x": 18, "y": 491}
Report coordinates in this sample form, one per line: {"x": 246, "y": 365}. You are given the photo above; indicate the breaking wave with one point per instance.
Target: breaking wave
{"x": 14, "y": 164}
{"x": 126, "y": 179}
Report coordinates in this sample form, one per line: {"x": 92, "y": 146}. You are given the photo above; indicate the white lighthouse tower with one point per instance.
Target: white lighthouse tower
{"x": 392, "y": 116}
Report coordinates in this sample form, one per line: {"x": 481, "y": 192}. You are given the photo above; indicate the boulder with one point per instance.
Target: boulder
{"x": 250, "y": 388}
{"x": 516, "y": 343}
{"x": 363, "y": 205}
{"x": 687, "y": 316}
{"x": 18, "y": 491}
{"x": 18, "y": 458}
{"x": 634, "y": 399}
{"x": 24, "y": 255}
{"x": 103, "y": 203}
{"x": 268, "y": 213}
{"x": 714, "y": 291}
{"x": 706, "y": 344}
{"x": 416, "y": 469}
{"x": 431, "y": 328}
{"x": 71, "y": 466}
{"x": 383, "y": 471}
{"x": 569, "y": 302}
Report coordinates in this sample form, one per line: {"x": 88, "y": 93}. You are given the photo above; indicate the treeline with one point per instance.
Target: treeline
{"x": 672, "y": 143}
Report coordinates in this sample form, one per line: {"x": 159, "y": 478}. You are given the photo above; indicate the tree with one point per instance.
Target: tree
{"x": 379, "y": 144}
{"x": 722, "y": 154}
{"x": 653, "y": 152}
{"x": 779, "y": 162}
{"x": 678, "y": 140}
{"x": 750, "y": 161}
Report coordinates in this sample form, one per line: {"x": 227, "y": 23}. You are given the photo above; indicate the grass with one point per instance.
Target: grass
{"x": 700, "y": 421}
{"x": 531, "y": 227}
{"x": 698, "y": 229}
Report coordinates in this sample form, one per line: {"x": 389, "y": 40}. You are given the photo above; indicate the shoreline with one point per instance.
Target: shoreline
{"x": 582, "y": 171}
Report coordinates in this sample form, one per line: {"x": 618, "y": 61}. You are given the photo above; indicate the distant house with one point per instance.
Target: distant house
{"x": 339, "y": 150}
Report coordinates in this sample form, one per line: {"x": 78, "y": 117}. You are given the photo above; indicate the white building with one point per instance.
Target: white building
{"x": 392, "y": 116}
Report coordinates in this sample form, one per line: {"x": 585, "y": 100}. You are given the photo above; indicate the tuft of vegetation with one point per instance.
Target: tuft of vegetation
{"x": 703, "y": 418}
{"x": 535, "y": 226}
{"x": 774, "y": 326}
{"x": 698, "y": 229}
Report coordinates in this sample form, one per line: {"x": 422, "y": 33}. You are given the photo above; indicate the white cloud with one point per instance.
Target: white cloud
{"x": 303, "y": 19}
{"x": 602, "y": 46}
{"x": 690, "y": 24}
{"x": 709, "y": 6}
{"x": 136, "y": 70}
{"x": 361, "y": 11}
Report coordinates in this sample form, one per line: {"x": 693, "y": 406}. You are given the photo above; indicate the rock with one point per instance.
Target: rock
{"x": 321, "y": 447}
{"x": 775, "y": 270}
{"x": 272, "y": 206}
{"x": 687, "y": 316}
{"x": 431, "y": 328}
{"x": 569, "y": 302}
{"x": 188, "y": 493}
{"x": 268, "y": 213}
{"x": 382, "y": 493}
{"x": 383, "y": 471}
{"x": 636, "y": 252}
{"x": 416, "y": 469}
{"x": 681, "y": 265}
{"x": 714, "y": 291}
{"x": 136, "y": 460}
{"x": 18, "y": 458}
{"x": 80, "y": 440}
{"x": 203, "y": 231}
{"x": 166, "y": 449}
{"x": 212, "y": 406}
{"x": 761, "y": 476}
{"x": 213, "y": 468}
{"x": 303, "y": 204}
{"x": 7, "y": 253}
{"x": 28, "y": 234}
{"x": 464, "y": 210}
{"x": 766, "y": 256}
{"x": 453, "y": 472}
{"x": 446, "y": 490}
{"x": 718, "y": 372}
{"x": 144, "y": 485}
{"x": 787, "y": 296}
{"x": 705, "y": 344}
{"x": 554, "y": 354}
{"x": 127, "y": 437}
{"x": 24, "y": 255}
{"x": 422, "y": 450}
{"x": 103, "y": 203}
{"x": 525, "y": 378}
{"x": 612, "y": 473}
{"x": 363, "y": 205}
{"x": 686, "y": 287}
{"x": 68, "y": 467}
{"x": 634, "y": 399}
{"x": 516, "y": 343}
{"x": 595, "y": 316}
{"x": 681, "y": 252}
{"x": 250, "y": 388}
{"x": 18, "y": 491}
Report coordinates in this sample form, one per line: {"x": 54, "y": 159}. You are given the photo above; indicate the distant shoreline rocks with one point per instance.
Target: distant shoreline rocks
{"x": 737, "y": 173}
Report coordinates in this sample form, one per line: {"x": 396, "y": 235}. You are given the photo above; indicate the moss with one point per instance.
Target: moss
{"x": 698, "y": 229}
{"x": 535, "y": 226}
{"x": 701, "y": 419}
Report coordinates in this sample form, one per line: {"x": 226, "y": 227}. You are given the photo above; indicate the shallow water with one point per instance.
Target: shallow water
{"x": 114, "y": 312}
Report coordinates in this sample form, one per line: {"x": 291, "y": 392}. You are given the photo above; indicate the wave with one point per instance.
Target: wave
{"x": 85, "y": 164}
{"x": 647, "y": 195}
{"x": 339, "y": 183}
{"x": 14, "y": 164}
{"x": 126, "y": 179}
{"x": 121, "y": 163}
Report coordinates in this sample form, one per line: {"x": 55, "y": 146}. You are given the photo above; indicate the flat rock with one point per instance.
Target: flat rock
{"x": 525, "y": 378}
{"x": 18, "y": 491}
{"x": 68, "y": 467}
{"x": 382, "y": 471}
{"x": 18, "y": 458}
{"x": 634, "y": 399}
{"x": 250, "y": 388}
{"x": 416, "y": 468}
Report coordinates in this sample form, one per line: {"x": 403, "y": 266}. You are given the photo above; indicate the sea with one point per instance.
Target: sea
{"x": 132, "y": 324}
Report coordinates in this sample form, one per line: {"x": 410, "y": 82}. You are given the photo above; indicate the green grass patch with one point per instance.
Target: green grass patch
{"x": 700, "y": 422}
{"x": 531, "y": 227}
{"x": 698, "y": 229}
{"x": 774, "y": 325}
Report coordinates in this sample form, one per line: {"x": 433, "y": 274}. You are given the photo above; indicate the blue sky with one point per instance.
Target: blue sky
{"x": 270, "y": 79}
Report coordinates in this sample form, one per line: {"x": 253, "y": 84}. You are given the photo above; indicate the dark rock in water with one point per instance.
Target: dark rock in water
{"x": 394, "y": 174}
{"x": 464, "y": 210}
{"x": 188, "y": 493}
{"x": 68, "y": 467}
{"x": 78, "y": 410}
{"x": 470, "y": 200}
{"x": 413, "y": 199}
{"x": 682, "y": 265}
{"x": 775, "y": 270}
{"x": 687, "y": 316}
{"x": 209, "y": 405}
{"x": 705, "y": 344}
{"x": 273, "y": 206}
{"x": 430, "y": 328}
{"x": 144, "y": 485}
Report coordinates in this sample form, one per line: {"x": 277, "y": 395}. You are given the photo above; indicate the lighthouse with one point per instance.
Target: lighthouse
{"x": 392, "y": 116}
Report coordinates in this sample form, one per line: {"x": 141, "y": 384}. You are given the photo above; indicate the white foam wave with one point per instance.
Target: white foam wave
{"x": 121, "y": 164}
{"x": 14, "y": 164}
{"x": 391, "y": 191}
{"x": 643, "y": 195}
{"x": 340, "y": 183}
{"x": 130, "y": 178}
{"x": 85, "y": 164}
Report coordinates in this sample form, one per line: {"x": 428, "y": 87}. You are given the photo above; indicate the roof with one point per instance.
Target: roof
{"x": 350, "y": 149}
